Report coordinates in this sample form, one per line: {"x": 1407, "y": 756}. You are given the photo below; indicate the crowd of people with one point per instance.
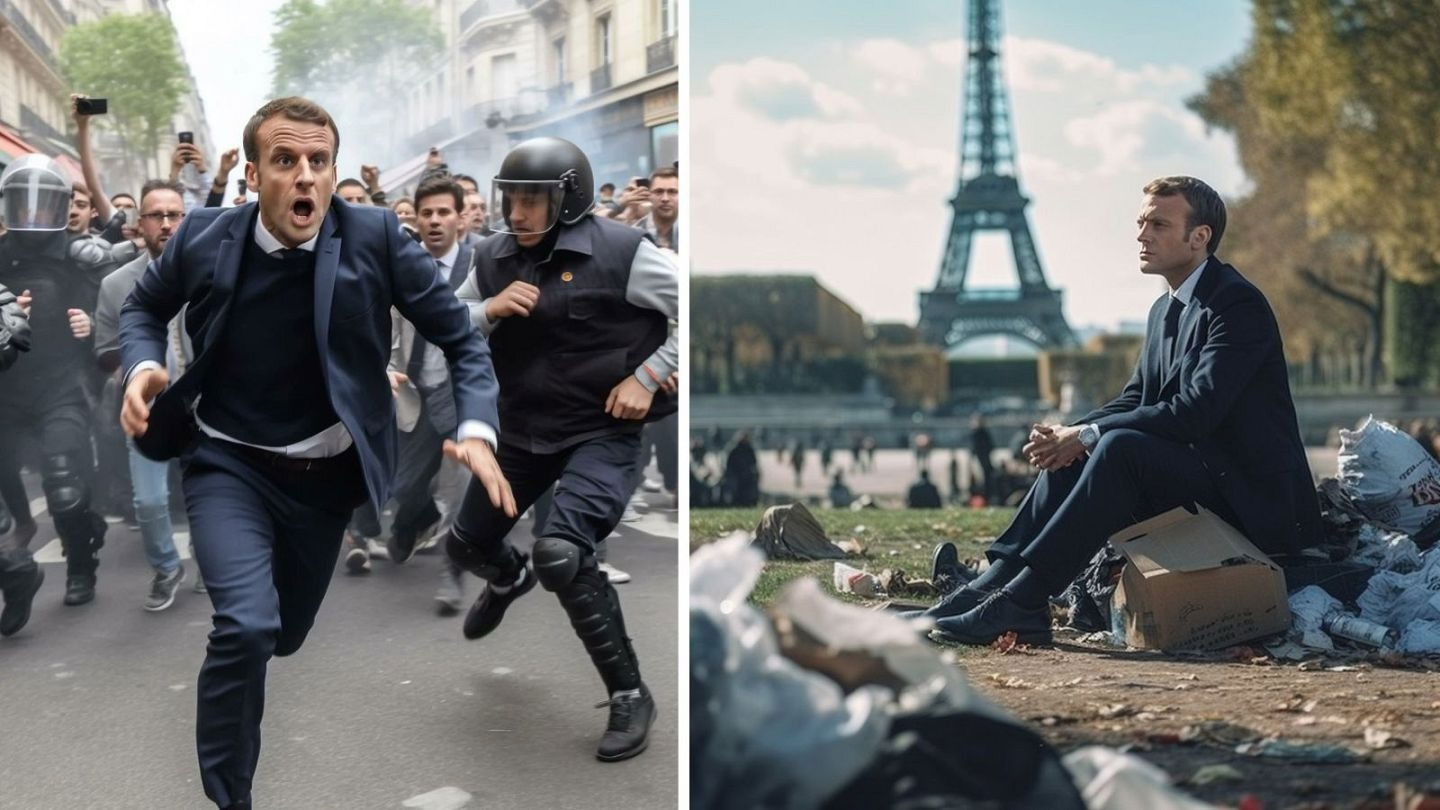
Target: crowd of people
{"x": 82, "y": 273}
{"x": 725, "y": 470}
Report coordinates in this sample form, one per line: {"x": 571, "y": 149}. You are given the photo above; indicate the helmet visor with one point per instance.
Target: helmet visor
{"x": 36, "y": 195}
{"x": 524, "y": 207}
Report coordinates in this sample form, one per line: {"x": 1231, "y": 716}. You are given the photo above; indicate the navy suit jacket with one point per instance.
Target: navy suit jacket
{"x": 364, "y": 265}
{"x": 1227, "y": 394}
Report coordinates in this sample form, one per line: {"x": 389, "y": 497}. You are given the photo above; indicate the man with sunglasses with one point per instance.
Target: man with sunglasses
{"x": 162, "y": 208}
{"x": 576, "y": 309}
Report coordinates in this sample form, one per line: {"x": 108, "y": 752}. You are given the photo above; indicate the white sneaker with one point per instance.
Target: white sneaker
{"x": 614, "y": 574}
{"x": 630, "y": 515}
{"x": 651, "y": 485}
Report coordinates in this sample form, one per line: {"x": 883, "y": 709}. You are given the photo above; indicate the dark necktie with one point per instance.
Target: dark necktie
{"x": 290, "y": 254}
{"x": 1172, "y": 330}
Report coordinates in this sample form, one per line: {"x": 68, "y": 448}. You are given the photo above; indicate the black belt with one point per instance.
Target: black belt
{"x": 293, "y": 464}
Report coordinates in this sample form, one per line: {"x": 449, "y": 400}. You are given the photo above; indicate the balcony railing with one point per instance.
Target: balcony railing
{"x": 600, "y": 78}
{"x": 660, "y": 55}
{"x": 28, "y": 33}
{"x": 31, "y": 120}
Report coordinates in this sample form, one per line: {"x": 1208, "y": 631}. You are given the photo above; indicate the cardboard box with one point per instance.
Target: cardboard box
{"x": 1192, "y": 582}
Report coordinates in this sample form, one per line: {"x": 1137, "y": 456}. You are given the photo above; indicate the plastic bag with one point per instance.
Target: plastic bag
{"x": 1391, "y": 478}
{"x": 1421, "y": 636}
{"x": 1110, "y": 780}
{"x": 763, "y": 731}
{"x": 1396, "y": 600}
{"x": 1387, "y": 551}
{"x": 1308, "y": 608}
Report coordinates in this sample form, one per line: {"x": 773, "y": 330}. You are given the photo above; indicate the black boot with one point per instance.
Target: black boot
{"x": 632, "y": 713}
{"x": 20, "y": 579}
{"x": 81, "y": 559}
{"x": 505, "y": 572}
{"x": 594, "y": 610}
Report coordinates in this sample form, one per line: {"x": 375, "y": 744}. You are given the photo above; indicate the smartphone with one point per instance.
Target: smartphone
{"x": 91, "y": 106}
{"x": 240, "y": 188}
{"x": 642, "y": 182}
{"x": 186, "y": 137}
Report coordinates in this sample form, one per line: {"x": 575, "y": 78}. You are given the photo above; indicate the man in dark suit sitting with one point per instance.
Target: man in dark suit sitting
{"x": 284, "y": 422}
{"x": 1206, "y": 418}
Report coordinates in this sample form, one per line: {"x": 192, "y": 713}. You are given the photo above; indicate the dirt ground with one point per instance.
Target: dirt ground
{"x": 1184, "y": 715}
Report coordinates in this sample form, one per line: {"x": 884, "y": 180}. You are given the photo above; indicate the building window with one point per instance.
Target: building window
{"x": 667, "y": 18}
{"x": 470, "y": 82}
{"x": 603, "y": 40}
{"x": 665, "y": 144}
{"x": 559, "y": 49}
{"x": 504, "y": 80}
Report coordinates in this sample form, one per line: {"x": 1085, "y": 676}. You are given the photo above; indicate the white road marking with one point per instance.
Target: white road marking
{"x": 445, "y": 798}
{"x": 51, "y": 552}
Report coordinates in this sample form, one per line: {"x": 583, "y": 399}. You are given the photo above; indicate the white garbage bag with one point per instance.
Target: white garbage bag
{"x": 1308, "y": 608}
{"x": 1391, "y": 479}
{"x": 1110, "y": 780}
{"x": 765, "y": 732}
{"x": 1422, "y": 636}
{"x": 1386, "y": 551}
{"x": 1396, "y": 600}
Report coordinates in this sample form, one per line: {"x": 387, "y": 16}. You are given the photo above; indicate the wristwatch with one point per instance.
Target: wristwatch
{"x": 1089, "y": 435}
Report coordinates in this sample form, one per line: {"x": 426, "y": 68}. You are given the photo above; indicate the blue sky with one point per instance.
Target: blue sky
{"x": 823, "y": 139}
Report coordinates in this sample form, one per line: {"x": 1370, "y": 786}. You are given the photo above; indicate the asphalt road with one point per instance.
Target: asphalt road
{"x": 386, "y": 705}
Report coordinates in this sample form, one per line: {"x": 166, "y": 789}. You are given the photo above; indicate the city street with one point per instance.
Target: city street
{"x": 386, "y": 705}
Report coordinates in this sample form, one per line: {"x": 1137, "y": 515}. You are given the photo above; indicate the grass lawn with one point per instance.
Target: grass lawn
{"x": 899, "y": 538}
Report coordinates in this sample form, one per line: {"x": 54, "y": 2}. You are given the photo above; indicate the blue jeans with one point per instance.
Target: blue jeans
{"x": 152, "y": 510}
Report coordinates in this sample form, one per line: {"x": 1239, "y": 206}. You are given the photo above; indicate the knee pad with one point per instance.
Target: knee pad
{"x": 65, "y": 490}
{"x": 557, "y": 562}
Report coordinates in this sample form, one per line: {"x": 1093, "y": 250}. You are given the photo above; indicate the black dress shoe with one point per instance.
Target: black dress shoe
{"x": 628, "y": 732}
{"x": 961, "y": 600}
{"x": 944, "y": 562}
{"x": 79, "y": 589}
{"x": 997, "y": 615}
{"x": 20, "y": 588}
{"x": 489, "y": 607}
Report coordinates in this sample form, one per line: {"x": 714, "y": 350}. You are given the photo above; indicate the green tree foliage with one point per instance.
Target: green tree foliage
{"x": 1335, "y": 108}
{"x": 365, "y": 43}
{"x": 133, "y": 61}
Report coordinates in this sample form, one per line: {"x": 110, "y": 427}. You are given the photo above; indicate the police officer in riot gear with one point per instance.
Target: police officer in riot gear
{"x": 576, "y": 310}
{"x": 44, "y": 393}
{"x": 20, "y": 577}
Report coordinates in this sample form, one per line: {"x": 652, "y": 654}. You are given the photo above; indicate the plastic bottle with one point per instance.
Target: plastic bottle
{"x": 1360, "y": 630}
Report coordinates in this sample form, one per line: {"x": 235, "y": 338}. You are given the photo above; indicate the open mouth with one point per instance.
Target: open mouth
{"x": 302, "y": 212}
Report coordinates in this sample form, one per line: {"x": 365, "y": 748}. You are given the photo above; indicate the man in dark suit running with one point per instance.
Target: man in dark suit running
{"x": 284, "y": 422}
{"x": 1206, "y": 418}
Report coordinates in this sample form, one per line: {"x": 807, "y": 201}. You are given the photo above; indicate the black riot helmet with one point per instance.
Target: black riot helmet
{"x": 541, "y": 182}
{"x": 35, "y": 195}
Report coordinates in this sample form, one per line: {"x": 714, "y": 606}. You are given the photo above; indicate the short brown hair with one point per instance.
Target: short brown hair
{"x": 665, "y": 171}
{"x": 1206, "y": 207}
{"x": 441, "y": 184}
{"x": 294, "y": 108}
{"x": 158, "y": 185}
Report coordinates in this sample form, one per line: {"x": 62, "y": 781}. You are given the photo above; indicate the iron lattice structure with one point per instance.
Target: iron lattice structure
{"x": 989, "y": 199}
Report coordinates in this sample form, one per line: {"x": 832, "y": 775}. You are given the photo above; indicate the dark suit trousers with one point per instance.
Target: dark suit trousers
{"x": 266, "y": 540}
{"x": 1069, "y": 514}
{"x": 420, "y": 458}
{"x": 593, "y": 481}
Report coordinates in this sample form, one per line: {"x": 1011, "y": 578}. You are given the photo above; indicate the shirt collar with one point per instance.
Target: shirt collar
{"x": 1186, "y": 293}
{"x": 448, "y": 260}
{"x": 271, "y": 245}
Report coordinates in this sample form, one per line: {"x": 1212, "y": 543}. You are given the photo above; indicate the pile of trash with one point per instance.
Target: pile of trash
{"x": 827, "y": 705}
{"x": 1383, "y": 511}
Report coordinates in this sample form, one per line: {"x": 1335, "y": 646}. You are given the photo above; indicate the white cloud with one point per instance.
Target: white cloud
{"x": 1044, "y": 66}
{"x": 781, "y": 91}
{"x": 1123, "y": 131}
{"x": 902, "y": 64}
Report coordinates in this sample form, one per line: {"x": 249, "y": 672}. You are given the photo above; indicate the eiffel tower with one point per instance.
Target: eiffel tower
{"x": 989, "y": 199}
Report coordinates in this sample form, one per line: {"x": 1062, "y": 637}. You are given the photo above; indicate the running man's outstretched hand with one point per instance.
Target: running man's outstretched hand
{"x": 480, "y": 459}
